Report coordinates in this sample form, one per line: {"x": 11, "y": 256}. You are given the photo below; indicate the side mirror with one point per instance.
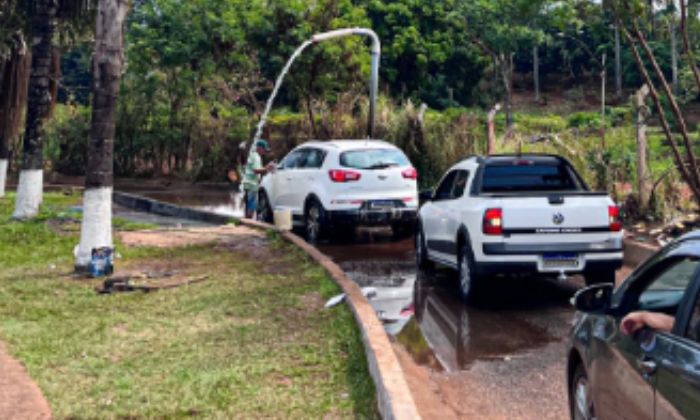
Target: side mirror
{"x": 594, "y": 299}
{"x": 425, "y": 196}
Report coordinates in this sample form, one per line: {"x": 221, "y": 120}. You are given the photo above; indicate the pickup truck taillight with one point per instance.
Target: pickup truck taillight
{"x": 614, "y": 219}
{"x": 493, "y": 222}
{"x": 410, "y": 173}
{"x": 339, "y": 175}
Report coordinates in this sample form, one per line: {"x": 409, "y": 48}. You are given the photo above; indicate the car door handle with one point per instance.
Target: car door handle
{"x": 288, "y": 178}
{"x": 647, "y": 366}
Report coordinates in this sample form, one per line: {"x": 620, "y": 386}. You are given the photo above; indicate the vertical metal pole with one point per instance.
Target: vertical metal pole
{"x": 373, "y": 87}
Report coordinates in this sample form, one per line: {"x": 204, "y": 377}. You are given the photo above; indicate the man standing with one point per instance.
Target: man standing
{"x": 254, "y": 169}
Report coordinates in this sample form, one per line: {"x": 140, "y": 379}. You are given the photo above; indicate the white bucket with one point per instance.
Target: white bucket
{"x": 283, "y": 219}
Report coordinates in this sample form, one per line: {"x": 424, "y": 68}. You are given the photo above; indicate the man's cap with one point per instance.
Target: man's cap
{"x": 263, "y": 144}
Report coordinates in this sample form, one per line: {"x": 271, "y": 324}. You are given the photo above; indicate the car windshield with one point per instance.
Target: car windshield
{"x": 530, "y": 176}
{"x": 373, "y": 159}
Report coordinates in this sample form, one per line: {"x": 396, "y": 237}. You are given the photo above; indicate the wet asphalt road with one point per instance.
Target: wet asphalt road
{"x": 501, "y": 357}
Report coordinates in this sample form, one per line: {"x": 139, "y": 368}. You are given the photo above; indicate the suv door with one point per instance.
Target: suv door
{"x": 677, "y": 359}
{"x": 306, "y": 175}
{"x": 285, "y": 179}
{"x": 622, "y": 368}
{"x": 436, "y": 218}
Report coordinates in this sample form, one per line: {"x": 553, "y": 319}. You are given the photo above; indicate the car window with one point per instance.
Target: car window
{"x": 314, "y": 159}
{"x": 444, "y": 190}
{"x": 373, "y": 158}
{"x": 459, "y": 184}
{"x": 530, "y": 176}
{"x": 665, "y": 291}
{"x": 294, "y": 159}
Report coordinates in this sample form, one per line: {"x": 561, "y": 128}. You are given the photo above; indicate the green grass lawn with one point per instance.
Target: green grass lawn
{"x": 249, "y": 342}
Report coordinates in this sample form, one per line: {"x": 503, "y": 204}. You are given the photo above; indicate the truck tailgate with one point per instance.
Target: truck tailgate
{"x": 575, "y": 214}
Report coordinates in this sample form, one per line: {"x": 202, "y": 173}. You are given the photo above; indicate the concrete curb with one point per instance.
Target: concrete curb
{"x": 393, "y": 394}
{"x": 137, "y": 202}
{"x": 636, "y": 252}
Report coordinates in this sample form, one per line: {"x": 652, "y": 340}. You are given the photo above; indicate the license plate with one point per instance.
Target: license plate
{"x": 381, "y": 204}
{"x": 560, "y": 260}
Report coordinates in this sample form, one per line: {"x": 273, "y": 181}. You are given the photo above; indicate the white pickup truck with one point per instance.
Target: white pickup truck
{"x": 518, "y": 214}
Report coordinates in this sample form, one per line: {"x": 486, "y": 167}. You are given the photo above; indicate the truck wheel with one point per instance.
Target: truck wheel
{"x": 422, "y": 260}
{"x": 468, "y": 278}
{"x": 401, "y": 230}
{"x": 602, "y": 276}
{"x": 314, "y": 218}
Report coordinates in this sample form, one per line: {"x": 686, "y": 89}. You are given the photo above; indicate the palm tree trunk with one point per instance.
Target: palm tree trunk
{"x": 108, "y": 61}
{"x": 14, "y": 79}
{"x": 31, "y": 177}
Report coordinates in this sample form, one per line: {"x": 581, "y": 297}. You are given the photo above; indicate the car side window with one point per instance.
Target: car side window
{"x": 295, "y": 159}
{"x": 314, "y": 159}
{"x": 665, "y": 291}
{"x": 444, "y": 190}
{"x": 459, "y": 184}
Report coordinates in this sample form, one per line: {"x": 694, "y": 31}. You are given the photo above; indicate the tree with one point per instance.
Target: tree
{"x": 108, "y": 62}
{"x": 628, "y": 13}
{"x": 29, "y": 190}
{"x": 500, "y": 28}
{"x": 14, "y": 76}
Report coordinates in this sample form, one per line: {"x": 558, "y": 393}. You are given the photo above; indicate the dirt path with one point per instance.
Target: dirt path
{"x": 20, "y": 397}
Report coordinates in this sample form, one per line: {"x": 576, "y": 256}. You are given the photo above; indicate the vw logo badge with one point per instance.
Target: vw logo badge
{"x": 382, "y": 177}
{"x": 558, "y": 218}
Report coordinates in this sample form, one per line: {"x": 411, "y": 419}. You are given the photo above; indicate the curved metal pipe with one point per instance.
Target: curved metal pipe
{"x": 375, "y": 50}
{"x": 373, "y": 82}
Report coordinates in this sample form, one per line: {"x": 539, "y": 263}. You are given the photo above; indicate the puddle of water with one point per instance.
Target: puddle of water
{"x": 216, "y": 200}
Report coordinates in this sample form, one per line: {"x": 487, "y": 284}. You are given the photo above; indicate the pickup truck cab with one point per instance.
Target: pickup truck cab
{"x": 518, "y": 214}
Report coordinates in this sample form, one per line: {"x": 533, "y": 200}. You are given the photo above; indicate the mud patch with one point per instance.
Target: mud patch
{"x": 173, "y": 238}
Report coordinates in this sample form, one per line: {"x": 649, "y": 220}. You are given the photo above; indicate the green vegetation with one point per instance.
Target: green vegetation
{"x": 249, "y": 342}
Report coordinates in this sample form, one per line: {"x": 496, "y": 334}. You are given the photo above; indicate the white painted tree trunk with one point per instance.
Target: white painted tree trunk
{"x": 3, "y": 176}
{"x": 96, "y": 227}
{"x": 29, "y": 193}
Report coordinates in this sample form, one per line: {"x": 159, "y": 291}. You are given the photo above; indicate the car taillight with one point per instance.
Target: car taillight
{"x": 339, "y": 175}
{"x": 493, "y": 222}
{"x": 410, "y": 173}
{"x": 614, "y": 219}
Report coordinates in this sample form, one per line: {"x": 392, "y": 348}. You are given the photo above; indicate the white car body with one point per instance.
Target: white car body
{"x": 548, "y": 231}
{"x": 325, "y": 173}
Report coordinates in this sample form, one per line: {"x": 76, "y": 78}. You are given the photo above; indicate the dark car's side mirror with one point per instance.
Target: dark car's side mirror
{"x": 425, "y": 196}
{"x": 594, "y": 299}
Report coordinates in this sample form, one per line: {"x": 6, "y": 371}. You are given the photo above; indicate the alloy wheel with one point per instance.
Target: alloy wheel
{"x": 313, "y": 223}
{"x": 465, "y": 275}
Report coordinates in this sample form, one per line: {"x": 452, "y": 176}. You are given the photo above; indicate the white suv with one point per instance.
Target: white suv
{"x": 513, "y": 214}
{"x": 341, "y": 184}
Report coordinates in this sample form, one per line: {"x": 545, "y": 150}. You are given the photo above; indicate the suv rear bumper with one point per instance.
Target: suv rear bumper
{"x": 371, "y": 217}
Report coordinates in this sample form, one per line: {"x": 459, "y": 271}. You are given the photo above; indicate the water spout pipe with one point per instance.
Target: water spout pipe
{"x": 375, "y": 51}
{"x": 374, "y": 75}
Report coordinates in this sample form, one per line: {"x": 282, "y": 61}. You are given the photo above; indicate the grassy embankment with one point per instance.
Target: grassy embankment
{"x": 248, "y": 342}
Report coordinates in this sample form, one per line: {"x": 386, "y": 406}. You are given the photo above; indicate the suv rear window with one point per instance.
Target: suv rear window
{"x": 531, "y": 176}
{"x": 373, "y": 159}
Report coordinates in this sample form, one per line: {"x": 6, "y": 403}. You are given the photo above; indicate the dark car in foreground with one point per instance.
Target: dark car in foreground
{"x": 650, "y": 374}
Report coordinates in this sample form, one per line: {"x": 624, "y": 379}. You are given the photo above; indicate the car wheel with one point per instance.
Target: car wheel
{"x": 580, "y": 396}
{"x": 422, "y": 260}
{"x": 264, "y": 208}
{"x": 315, "y": 221}
{"x": 603, "y": 276}
{"x": 467, "y": 274}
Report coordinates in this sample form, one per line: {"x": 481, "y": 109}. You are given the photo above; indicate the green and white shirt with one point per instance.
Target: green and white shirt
{"x": 251, "y": 180}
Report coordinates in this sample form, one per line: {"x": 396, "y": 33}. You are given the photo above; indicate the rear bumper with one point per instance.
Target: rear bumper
{"x": 501, "y": 248}
{"x": 371, "y": 217}
{"x": 529, "y": 268}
